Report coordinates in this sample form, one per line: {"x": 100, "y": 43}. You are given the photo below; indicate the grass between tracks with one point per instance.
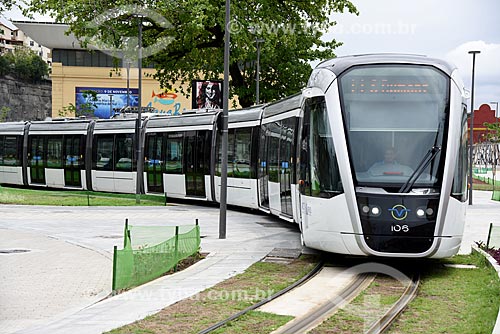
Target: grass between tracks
{"x": 450, "y": 300}
{"x": 454, "y": 300}
{"x": 226, "y": 298}
{"x": 44, "y": 196}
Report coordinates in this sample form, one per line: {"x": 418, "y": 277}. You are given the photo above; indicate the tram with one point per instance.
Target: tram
{"x": 369, "y": 159}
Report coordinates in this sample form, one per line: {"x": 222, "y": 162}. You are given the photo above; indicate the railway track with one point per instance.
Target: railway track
{"x": 361, "y": 279}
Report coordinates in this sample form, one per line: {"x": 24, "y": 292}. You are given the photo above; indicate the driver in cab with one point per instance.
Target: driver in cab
{"x": 389, "y": 166}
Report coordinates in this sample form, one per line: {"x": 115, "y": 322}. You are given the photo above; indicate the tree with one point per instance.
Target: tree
{"x": 493, "y": 134}
{"x": 193, "y": 32}
{"x": 24, "y": 64}
{"x": 6, "y": 4}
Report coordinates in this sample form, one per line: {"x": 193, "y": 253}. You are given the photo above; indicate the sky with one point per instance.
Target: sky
{"x": 445, "y": 29}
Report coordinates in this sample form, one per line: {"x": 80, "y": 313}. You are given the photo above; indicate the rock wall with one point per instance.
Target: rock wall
{"x": 24, "y": 101}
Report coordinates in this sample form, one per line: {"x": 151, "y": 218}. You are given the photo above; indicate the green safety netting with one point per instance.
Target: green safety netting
{"x": 150, "y": 251}
{"x": 496, "y": 195}
{"x": 493, "y": 237}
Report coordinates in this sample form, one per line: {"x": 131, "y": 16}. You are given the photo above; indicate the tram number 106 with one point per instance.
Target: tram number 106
{"x": 400, "y": 228}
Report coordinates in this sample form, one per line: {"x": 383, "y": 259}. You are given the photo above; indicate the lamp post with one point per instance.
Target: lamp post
{"x": 471, "y": 138}
{"x": 127, "y": 62}
{"x": 257, "y": 79}
{"x": 494, "y": 153}
{"x": 225, "y": 96}
{"x": 138, "y": 121}
{"x": 496, "y": 111}
{"x": 110, "y": 105}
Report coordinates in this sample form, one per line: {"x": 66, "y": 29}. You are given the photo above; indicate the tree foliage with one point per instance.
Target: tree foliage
{"x": 493, "y": 134}
{"x": 291, "y": 31}
{"x": 23, "y": 64}
{"x": 6, "y": 4}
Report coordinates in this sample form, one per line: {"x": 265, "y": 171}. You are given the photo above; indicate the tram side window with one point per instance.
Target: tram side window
{"x": 273, "y": 141}
{"x": 230, "y": 154}
{"x": 319, "y": 169}
{"x": 10, "y": 150}
{"x": 459, "y": 188}
{"x": 103, "y": 156}
{"x": 174, "y": 153}
{"x": 242, "y": 149}
{"x": 124, "y": 153}
{"x": 54, "y": 152}
{"x": 37, "y": 150}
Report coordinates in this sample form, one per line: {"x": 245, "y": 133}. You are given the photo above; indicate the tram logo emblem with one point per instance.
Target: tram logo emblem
{"x": 399, "y": 212}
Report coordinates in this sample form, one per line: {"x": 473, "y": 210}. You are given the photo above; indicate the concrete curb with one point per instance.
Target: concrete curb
{"x": 496, "y": 266}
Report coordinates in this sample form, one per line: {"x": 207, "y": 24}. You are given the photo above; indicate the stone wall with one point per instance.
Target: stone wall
{"x": 24, "y": 101}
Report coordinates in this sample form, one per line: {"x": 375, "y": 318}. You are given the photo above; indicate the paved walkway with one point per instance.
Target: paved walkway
{"x": 250, "y": 236}
{"x": 71, "y": 248}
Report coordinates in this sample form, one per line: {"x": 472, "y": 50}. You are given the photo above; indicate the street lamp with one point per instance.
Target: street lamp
{"x": 496, "y": 111}
{"x": 225, "y": 96}
{"x": 494, "y": 156}
{"x": 138, "y": 184}
{"x": 257, "y": 79}
{"x": 110, "y": 105}
{"x": 471, "y": 139}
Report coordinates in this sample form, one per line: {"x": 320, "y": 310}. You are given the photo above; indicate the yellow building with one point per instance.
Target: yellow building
{"x": 76, "y": 71}
{"x": 67, "y": 81}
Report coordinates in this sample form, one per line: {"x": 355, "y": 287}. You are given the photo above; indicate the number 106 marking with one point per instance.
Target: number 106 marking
{"x": 400, "y": 228}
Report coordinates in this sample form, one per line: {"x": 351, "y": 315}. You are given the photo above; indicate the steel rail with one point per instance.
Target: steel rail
{"x": 301, "y": 281}
{"x": 384, "y": 322}
{"x": 314, "y": 318}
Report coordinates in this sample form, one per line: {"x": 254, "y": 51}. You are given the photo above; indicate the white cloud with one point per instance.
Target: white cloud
{"x": 487, "y": 70}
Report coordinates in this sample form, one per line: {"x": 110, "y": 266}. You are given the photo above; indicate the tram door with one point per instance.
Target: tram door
{"x": 73, "y": 162}
{"x": 263, "y": 171}
{"x": 154, "y": 162}
{"x": 37, "y": 159}
{"x": 197, "y": 160}
{"x": 285, "y": 170}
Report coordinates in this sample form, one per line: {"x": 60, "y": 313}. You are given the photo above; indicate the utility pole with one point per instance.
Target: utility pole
{"x": 471, "y": 139}
{"x": 225, "y": 95}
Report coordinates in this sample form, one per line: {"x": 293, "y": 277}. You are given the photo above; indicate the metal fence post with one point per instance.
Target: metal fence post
{"x": 125, "y": 234}
{"x": 489, "y": 236}
{"x": 113, "y": 283}
{"x": 176, "y": 251}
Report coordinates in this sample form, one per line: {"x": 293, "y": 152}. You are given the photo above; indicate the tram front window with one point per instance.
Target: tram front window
{"x": 394, "y": 115}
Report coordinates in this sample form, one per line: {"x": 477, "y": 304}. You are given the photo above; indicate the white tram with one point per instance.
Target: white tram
{"x": 369, "y": 159}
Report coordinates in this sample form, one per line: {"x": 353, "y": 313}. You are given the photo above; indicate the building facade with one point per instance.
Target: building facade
{"x": 483, "y": 115}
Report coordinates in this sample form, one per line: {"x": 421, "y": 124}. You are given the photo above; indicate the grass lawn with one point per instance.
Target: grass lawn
{"x": 23, "y": 196}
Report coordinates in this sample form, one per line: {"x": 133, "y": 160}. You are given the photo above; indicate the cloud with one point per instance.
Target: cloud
{"x": 487, "y": 71}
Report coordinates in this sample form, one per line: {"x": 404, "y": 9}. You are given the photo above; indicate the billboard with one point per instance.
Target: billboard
{"x": 207, "y": 94}
{"x": 107, "y": 99}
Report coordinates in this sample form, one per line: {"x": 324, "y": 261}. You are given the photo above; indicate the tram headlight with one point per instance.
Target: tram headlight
{"x": 420, "y": 213}
{"x": 375, "y": 211}
{"x": 366, "y": 209}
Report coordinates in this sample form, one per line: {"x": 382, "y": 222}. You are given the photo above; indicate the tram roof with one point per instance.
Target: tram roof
{"x": 66, "y": 125}
{"x": 287, "y": 104}
{"x": 115, "y": 124}
{"x": 340, "y": 64}
{"x": 207, "y": 118}
{"x": 12, "y": 128}
{"x": 245, "y": 115}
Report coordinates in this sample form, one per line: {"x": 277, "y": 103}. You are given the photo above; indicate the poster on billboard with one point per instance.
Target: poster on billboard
{"x": 107, "y": 100}
{"x": 207, "y": 94}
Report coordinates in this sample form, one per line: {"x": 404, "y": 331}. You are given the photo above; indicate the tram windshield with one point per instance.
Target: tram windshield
{"x": 394, "y": 115}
